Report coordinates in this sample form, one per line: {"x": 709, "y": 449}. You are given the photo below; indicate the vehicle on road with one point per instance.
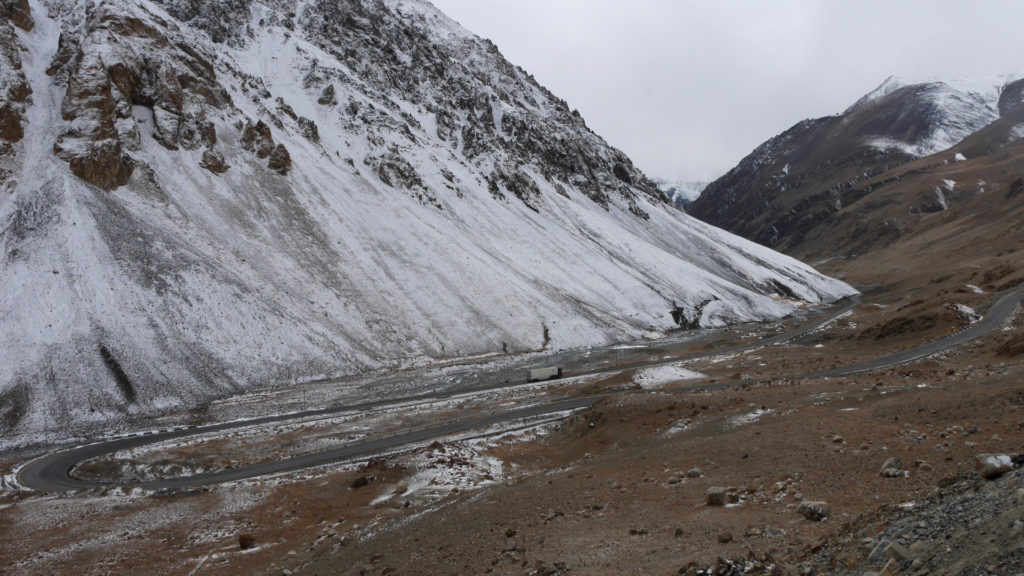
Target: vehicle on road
{"x": 546, "y": 373}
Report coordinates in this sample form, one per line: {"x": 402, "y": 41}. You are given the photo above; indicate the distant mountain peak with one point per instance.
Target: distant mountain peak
{"x": 795, "y": 181}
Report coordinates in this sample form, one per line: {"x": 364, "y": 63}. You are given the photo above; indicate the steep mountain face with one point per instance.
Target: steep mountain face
{"x": 798, "y": 181}
{"x": 202, "y": 198}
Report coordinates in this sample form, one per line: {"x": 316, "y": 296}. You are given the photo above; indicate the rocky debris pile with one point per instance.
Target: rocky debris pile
{"x": 972, "y": 525}
{"x": 753, "y": 563}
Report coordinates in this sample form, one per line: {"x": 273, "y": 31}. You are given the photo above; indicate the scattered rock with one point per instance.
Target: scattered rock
{"x": 897, "y": 552}
{"x": 308, "y": 129}
{"x": 214, "y": 162}
{"x": 673, "y": 480}
{"x": 878, "y": 552}
{"x": 363, "y": 480}
{"x": 327, "y": 96}
{"x": 892, "y": 468}
{"x": 280, "y": 161}
{"x": 553, "y": 569}
{"x": 694, "y": 473}
{"x": 716, "y": 496}
{"x": 815, "y": 511}
{"x": 891, "y": 568}
{"x": 257, "y": 138}
{"x": 991, "y": 466}
{"x": 246, "y": 541}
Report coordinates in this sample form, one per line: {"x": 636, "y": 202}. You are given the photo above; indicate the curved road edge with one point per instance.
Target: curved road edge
{"x": 52, "y": 472}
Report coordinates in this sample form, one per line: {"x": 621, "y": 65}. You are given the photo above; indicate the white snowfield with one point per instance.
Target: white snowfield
{"x": 185, "y": 285}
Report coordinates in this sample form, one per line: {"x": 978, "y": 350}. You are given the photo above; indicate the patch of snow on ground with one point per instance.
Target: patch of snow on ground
{"x": 967, "y": 313}
{"x": 663, "y": 375}
{"x": 959, "y": 157}
{"x": 679, "y": 426}
{"x": 748, "y": 418}
{"x": 1016, "y": 133}
{"x": 444, "y": 468}
{"x": 974, "y": 289}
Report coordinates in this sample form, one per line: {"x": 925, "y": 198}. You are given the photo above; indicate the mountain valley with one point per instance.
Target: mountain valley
{"x": 274, "y": 277}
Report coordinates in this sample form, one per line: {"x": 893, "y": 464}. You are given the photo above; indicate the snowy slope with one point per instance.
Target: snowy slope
{"x": 952, "y": 108}
{"x": 215, "y": 197}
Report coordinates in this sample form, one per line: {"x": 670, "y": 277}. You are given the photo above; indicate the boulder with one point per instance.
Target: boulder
{"x": 815, "y": 511}
{"x": 891, "y": 468}
{"x": 280, "y": 161}
{"x": 898, "y": 552}
{"x": 327, "y": 97}
{"x": 991, "y": 466}
{"x": 716, "y": 496}
{"x": 214, "y": 162}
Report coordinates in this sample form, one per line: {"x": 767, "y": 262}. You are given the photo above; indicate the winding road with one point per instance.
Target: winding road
{"x": 52, "y": 472}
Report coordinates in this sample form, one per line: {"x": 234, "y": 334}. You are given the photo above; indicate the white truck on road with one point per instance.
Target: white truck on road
{"x": 546, "y": 373}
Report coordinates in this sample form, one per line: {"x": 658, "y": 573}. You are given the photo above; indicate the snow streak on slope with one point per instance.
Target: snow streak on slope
{"x": 333, "y": 188}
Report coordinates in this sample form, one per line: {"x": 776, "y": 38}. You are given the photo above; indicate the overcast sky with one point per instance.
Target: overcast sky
{"x": 688, "y": 88}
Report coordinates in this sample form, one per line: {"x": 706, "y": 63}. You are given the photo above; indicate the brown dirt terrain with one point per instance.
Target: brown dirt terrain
{"x": 608, "y": 491}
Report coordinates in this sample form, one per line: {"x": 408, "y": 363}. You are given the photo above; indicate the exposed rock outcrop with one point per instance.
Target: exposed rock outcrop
{"x": 114, "y": 62}
{"x": 18, "y": 12}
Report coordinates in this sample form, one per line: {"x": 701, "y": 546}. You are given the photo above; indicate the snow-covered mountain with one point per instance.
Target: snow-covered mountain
{"x": 200, "y": 198}
{"x": 680, "y": 192}
{"x": 937, "y": 114}
{"x": 797, "y": 180}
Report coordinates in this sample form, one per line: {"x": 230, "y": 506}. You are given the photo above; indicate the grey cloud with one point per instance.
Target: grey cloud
{"x": 688, "y": 88}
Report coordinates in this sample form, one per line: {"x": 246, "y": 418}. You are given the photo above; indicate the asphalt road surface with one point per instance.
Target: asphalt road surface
{"x": 52, "y": 473}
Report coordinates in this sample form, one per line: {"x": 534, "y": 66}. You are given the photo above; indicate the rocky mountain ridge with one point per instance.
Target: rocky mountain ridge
{"x": 798, "y": 181}
{"x": 207, "y": 198}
